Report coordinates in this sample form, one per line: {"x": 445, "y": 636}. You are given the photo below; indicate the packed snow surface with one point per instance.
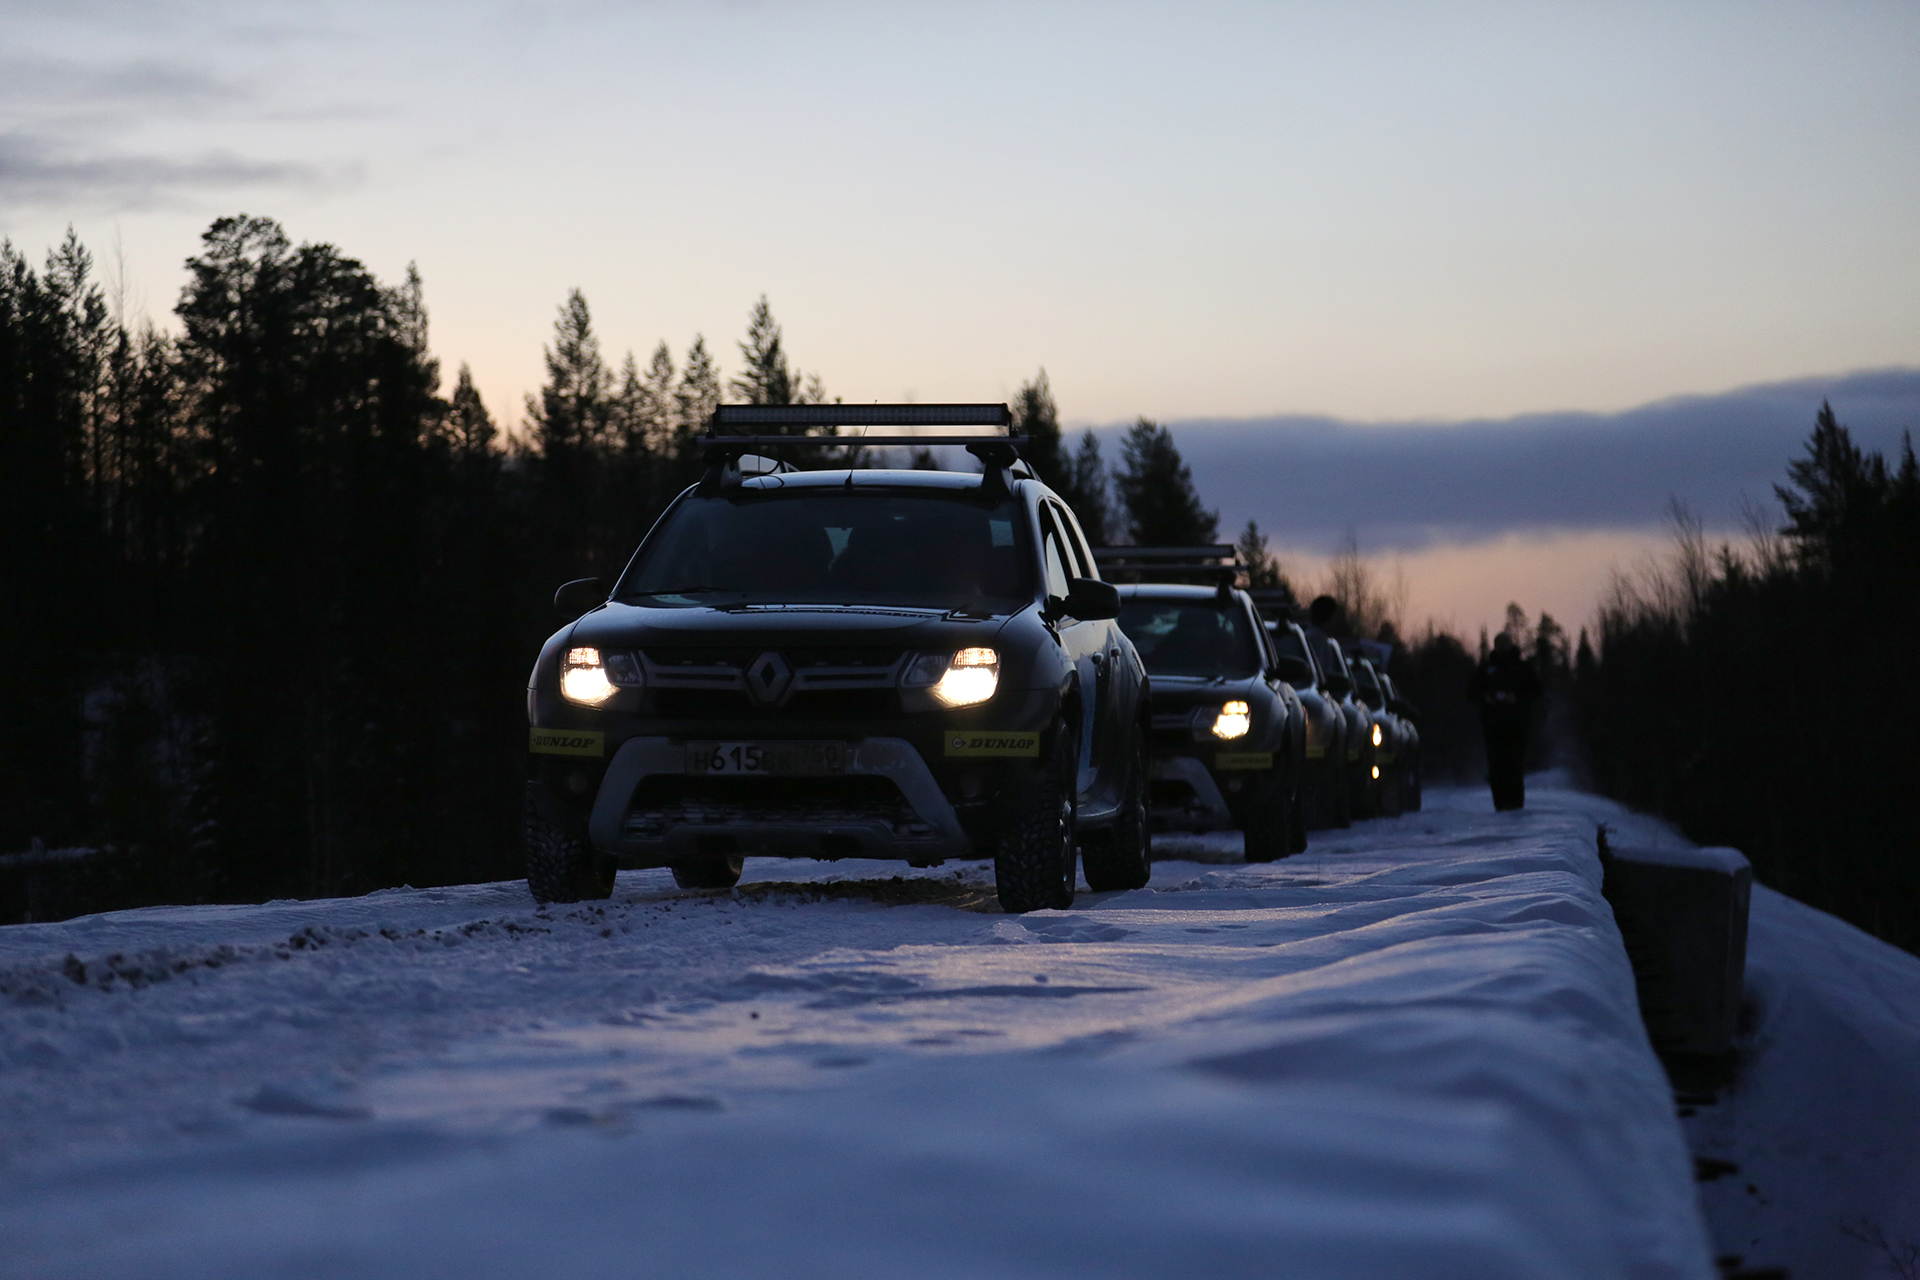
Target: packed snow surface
{"x": 1410, "y": 1051}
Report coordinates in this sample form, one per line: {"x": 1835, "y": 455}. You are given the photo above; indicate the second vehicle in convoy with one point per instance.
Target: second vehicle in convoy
{"x": 1229, "y": 731}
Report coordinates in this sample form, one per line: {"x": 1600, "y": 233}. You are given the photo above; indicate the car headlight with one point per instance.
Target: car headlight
{"x": 585, "y": 679}
{"x": 1234, "y": 720}
{"x": 962, "y": 679}
{"x": 1377, "y": 737}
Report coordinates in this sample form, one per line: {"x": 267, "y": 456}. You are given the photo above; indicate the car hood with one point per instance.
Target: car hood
{"x": 616, "y": 626}
{"x": 1177, "y": 693}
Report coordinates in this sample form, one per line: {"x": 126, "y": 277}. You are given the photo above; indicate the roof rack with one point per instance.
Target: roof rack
{"x": 1277, "y": 603}
{"x": 1217, "y": 564}
{"x": 996, "y": 452}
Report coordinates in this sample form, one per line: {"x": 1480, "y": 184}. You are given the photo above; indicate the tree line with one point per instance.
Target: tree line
{"x": 271, "y": 597}
{"x": 1766, "y": 697}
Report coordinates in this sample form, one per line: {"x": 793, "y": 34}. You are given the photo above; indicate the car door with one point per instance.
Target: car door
{"x": 1085, "y": 644}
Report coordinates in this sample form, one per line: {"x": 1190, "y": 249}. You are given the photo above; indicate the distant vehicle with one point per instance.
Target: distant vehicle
{"x": 1329, "y": 803}
{"x": 1394, "y": 742}
{"x": 1336, "y": 681}
{"x": 1410, "y": 795}
{"x": 1228, "y": 728}
{"x": 883, "y": 664}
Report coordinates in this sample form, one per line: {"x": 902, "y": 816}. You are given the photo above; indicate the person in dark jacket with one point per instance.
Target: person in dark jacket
{"x": 1505, "y": 688}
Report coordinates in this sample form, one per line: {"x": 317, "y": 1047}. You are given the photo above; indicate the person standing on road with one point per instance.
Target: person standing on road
{"x": 1505, "y": 687}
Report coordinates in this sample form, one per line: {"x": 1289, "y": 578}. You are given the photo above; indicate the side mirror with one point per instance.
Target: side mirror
{"x": 578, "y": 596}
{"x": 1339, "y": 686}
{"x": 1091, "y": 600}
{"x": 1293, "y": 670}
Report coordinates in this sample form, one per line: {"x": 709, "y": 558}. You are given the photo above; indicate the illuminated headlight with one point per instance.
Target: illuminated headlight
{"x": 586, "y": 680}
{"x": 1377, "y": 738}
{"x": 1233, "y": 721}
{"x": 1376, "y": 771}
{"x": 964, "y": 679}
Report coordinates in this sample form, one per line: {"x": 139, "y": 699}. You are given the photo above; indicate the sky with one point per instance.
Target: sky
{"x": 1371, "y": 213}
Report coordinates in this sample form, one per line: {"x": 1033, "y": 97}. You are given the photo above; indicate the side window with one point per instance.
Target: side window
{"x": 1056, "y": 554}
{"x": 1071, "y": 523}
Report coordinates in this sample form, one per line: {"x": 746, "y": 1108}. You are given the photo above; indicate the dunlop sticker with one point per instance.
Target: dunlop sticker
{"x": 1316, "y": 752}
{"x": 566, "y": 742}
{"x": 1243, "y": 760}
{"x": 968, "y": 742}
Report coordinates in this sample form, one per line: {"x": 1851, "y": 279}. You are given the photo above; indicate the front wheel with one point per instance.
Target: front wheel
{"x": 1267, "y": 827}
{"x": 1033, "y": 859}
{"x": 1121, "y": 856}
{"x": 561, "y": 865}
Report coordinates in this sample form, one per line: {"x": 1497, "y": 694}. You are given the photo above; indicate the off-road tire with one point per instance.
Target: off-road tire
{"x": 1337, "y": 791}
{"x": 1121, "y": 856}
{"x": 561, "y": 865}
{"x": 712, "y": 871}
{"x": 1034, "y": 857}
{"x": 1266, "y": 826}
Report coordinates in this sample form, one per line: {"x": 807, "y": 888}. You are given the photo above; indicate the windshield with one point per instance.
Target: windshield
{"x": 1332, "y": 665}
{"x": 926, "y": 549}
{"x": 1366, "y": 686}
{"x": 1192, "y": 637}
{"x": 1287, "y": 642}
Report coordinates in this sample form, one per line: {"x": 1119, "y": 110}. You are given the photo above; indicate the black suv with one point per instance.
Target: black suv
{"x": 1229, "y": 732}
{"x": 850, "y": 663}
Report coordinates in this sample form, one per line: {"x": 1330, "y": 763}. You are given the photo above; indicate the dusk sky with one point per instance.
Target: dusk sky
{"x": 1376, "y": 213}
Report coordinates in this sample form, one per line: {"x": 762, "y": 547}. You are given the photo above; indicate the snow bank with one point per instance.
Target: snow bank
{"x": 1412, "y": 1051}
{"x": 1820, "y": 1135}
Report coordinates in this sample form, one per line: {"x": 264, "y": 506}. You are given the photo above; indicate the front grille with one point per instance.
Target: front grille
{"x": 664, "y": 802}
{"x": 721, "y": 674}
{"x": 812, "y": 704}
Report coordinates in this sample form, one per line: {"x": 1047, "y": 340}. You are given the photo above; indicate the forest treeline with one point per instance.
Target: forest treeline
{"x": 1767, "y": 697}
{"x": 270, "y": 598}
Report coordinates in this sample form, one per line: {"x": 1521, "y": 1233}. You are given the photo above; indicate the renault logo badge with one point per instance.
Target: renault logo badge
{"x": 768, "y": 677}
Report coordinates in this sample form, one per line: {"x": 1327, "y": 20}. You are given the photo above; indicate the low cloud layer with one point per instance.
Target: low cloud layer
{"x": 78, "y": 153}
{"x": 1404, "y": 486}
{"x": 35, "y": 173}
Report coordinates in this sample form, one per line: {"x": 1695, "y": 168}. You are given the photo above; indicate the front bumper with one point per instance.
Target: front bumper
{"x": 819, "y": 818}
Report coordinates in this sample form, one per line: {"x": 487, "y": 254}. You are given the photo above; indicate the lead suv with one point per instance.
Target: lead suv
{"x": 917, "y": 665}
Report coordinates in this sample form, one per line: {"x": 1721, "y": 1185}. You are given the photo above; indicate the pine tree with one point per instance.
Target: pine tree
{"x": 1157, "y": 493}
{"x": 1037, "y": 417}
{"x": 470, "y": 428}
{"x": 1086, "y": 490}
{"x": 662, "y": 412}
{"x": 1263, "y": 568}
{"x": 573, "y": 409}
{"x": 766, "y": 379}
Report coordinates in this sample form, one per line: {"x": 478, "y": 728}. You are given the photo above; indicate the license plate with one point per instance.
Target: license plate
{"x": 766, "y": 759}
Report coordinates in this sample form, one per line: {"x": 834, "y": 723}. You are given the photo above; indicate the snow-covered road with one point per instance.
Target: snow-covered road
{"x": 1411, "y": 1051}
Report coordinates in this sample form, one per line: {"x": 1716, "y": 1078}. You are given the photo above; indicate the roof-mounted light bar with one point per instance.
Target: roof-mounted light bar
{"x": 996, "y": 452}
{"x": 737, "y": 416}
{"x": 1219, "y": 564}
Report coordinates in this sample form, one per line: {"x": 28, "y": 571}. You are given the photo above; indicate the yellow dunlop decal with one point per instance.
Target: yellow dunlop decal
{"x": 1316, "y": 753}
{"x": 566, "y": 742}
{"x": 1243, "y": 760}
{"x": 969, "y": 742}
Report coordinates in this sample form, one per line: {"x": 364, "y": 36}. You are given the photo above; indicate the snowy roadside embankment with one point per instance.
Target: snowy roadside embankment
{"x": 1412, "y": 1051}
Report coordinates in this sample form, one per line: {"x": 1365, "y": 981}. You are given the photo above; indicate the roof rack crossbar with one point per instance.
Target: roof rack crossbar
{"x": 1159, "y": 555}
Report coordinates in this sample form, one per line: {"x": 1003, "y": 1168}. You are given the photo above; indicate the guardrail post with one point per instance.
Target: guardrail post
{"x": 1683, "y": 917}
